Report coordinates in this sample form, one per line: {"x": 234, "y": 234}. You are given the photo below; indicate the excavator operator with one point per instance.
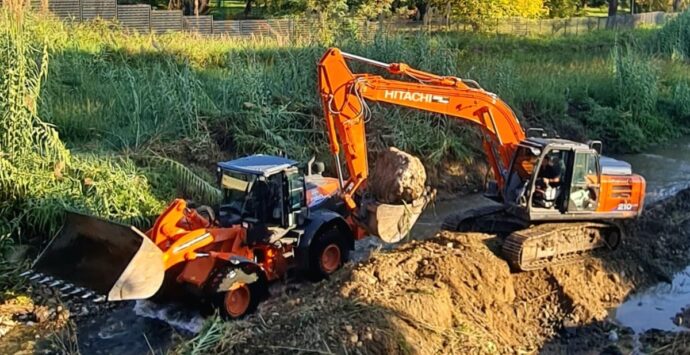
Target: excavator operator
{"x": 548, "y": 182}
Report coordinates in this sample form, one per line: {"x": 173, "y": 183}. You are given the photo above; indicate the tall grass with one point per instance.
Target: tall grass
{"x": 142, "y": 93}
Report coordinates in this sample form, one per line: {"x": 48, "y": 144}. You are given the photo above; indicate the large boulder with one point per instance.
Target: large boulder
{"x": 397, "y": 177}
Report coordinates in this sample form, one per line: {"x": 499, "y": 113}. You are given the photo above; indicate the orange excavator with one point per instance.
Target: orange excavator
{"x": 556, "y": 200}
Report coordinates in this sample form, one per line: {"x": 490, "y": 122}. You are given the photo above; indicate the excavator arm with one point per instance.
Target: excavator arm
{"x": 344, "y": 98}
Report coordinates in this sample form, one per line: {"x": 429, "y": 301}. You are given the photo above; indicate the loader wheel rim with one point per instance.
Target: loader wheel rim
{"x": 330, "y": 258}
{"x": 237, "y": 301}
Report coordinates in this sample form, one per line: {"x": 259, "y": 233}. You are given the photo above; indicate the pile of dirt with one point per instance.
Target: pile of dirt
{"x": 397, "y": 177}
{"x": 453, "y": 294}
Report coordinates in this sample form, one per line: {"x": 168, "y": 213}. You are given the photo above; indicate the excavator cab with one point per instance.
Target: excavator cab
{"x": 553, "y": 179}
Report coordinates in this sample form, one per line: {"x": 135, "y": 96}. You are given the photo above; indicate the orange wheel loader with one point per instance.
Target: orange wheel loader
{"x": 273, "y": 219}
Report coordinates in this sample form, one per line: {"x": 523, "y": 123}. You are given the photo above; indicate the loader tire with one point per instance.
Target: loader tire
{"x": 240, "y": 300}
{"x": 327, "y": 253}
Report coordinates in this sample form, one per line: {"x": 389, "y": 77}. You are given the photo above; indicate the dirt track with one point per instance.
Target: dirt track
{"x": 452, "y": 294}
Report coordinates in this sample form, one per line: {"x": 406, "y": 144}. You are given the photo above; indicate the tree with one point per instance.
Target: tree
{"x": 613, "y": 7}
{"x": 371, "y": 8}
{"x": 480, "y": 13}
{"x": 563, "y": 8}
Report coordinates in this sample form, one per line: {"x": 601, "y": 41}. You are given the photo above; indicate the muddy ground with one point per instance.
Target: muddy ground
{"x": 453, "y": 294}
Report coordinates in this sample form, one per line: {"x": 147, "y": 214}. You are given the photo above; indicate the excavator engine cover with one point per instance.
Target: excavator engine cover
{"x": 115, "y": 260}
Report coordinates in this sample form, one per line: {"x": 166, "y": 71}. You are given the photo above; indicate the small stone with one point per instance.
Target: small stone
{"x": 348, "y": 328}
{"x": 275, "y": 314}
{"x": 425, "y": 262}
{"x": 354, "y": 338}
{"x": 613, "y": 336}
{"x": 359, "y": 344}
{"x": 615, "y": 278}
{"x": 369, "y": 336}
{"x": 30, "y": 324}
{"x": 449, "y": 245}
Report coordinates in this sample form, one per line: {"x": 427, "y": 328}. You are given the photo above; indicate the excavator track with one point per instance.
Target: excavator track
{"x": 552, "y": 244}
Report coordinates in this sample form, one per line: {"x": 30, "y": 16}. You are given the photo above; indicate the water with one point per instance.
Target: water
{"x": 656, "y": 307}
{"x": 666, "y": 170}
{"x": 139, "y": 327}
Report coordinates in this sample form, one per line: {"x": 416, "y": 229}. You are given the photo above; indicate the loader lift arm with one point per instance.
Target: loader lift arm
{"x": 344, "y": 95}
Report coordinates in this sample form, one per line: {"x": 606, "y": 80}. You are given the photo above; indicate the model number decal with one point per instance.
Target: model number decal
{"x": 625, "y": 207}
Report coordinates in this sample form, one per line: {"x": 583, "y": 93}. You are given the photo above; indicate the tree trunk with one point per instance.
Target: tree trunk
{"x": 421, "y": 10}
{"x": 248, "y": 8}
{"x": 613, "y": 7}
{"x": 676, "y": 5}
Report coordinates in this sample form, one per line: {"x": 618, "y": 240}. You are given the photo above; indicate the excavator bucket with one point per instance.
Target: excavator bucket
{"x": 111, "y": 259}
{"x": 392, "y": 223}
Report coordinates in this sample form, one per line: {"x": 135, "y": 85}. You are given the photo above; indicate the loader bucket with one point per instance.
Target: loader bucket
{"x": 392, "y": 223}
{"x": 112, "y": 259}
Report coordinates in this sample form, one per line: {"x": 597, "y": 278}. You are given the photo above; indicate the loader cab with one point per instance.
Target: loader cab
{"x": 261, "y": 190}
{"x": 554, "y": 179}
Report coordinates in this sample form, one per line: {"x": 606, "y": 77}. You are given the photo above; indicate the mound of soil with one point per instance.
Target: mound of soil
{"x": 453, "y": 294}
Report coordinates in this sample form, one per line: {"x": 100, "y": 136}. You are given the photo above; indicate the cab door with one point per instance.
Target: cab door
{"x": 583, "y": 195}
{"x": 295, "y": 197}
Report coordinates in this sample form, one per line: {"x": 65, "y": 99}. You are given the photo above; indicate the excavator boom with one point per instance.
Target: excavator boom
{"x": 344, "y": 97}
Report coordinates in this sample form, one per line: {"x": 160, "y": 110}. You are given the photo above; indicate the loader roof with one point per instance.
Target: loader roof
{"x": 258, "y": 164}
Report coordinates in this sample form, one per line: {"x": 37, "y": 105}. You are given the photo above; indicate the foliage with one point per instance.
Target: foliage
{"x": 372, "y": 9}
{"x": 482, "y": 13}
{"x": 674, "y": 38}
{"x": 216, "y": 336}
{"x": 562, "y": 8}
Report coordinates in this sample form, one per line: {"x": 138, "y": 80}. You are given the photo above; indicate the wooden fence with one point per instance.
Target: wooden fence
{"x": 144, "y": 19}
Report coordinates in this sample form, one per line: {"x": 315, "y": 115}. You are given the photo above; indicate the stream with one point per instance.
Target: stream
{"x": 667, "y": 171}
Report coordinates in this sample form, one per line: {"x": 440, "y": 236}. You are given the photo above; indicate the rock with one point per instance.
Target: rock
{"x": 354, "y": 338}
{"x": 397, "y": 177}
{"x": 615, "y": 278}
{"x": 348, "y": 328}
{"x": 449, "y": 245}
{"x": 613, "y": 336}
